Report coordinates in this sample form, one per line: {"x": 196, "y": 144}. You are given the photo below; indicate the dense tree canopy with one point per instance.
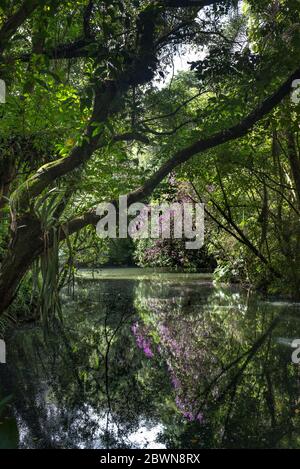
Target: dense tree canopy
{"x": 92, "y": 113}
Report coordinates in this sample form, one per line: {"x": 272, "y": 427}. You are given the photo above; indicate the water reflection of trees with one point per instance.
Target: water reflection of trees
{"x": 215, "y": 376}
{"x": 85, "y": 388}
{"x": 232, "y": 383}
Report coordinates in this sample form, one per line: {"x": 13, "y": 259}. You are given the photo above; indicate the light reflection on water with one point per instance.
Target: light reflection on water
{"x": 154, "y": 362}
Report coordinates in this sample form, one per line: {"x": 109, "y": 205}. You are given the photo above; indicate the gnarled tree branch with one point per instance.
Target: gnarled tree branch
{"x": 226, "y": 135}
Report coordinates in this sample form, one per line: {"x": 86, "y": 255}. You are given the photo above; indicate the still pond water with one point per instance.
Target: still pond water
{"x": 153, "y": 360}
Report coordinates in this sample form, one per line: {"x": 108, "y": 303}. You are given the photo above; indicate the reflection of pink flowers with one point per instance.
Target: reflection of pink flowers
{"x": 175, "y": 381}
{"x": 187, "y": 411}
{"x": 173, "y": 344}
{"x": 182, "y": 359}
{"x": 191, "y": 417}
{"x": 142, "y": 342}
{"x": 147, "y": 350}
{"x": 179, "y": 348}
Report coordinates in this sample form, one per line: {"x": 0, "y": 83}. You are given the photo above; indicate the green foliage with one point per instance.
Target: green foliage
{"x": 105, "y": 63}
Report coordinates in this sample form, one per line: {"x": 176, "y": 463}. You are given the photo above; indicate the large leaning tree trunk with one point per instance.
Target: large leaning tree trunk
{"x": 27, "y": 236}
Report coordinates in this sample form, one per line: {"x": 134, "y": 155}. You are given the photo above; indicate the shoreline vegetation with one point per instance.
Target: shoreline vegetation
{"x": 96, "y": 108}
{"x": 149, "y": 223}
